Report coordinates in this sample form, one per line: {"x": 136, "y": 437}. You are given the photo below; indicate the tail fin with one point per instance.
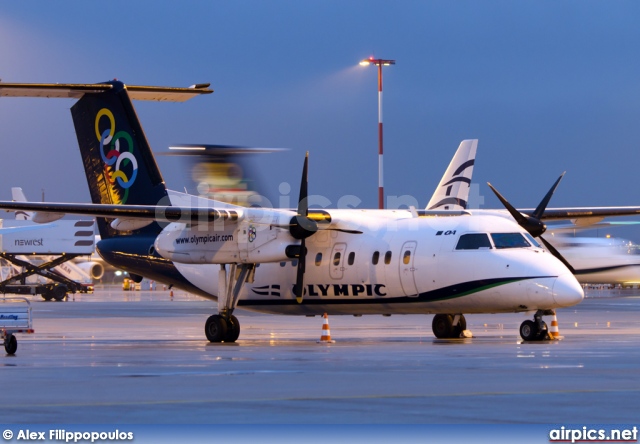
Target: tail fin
{"x": 452, "y": 192}
{"x": 117, "y": 158}
{"x": 17, "y": 195}
{"x": 118, "y": 162}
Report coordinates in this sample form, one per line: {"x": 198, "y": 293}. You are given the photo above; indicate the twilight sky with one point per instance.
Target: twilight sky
{"x": 545, "y": 86}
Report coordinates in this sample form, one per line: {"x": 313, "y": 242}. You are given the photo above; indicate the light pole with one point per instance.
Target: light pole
{"x": 379, "y": 63}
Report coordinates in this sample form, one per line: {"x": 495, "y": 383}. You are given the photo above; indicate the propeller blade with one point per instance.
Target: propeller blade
{"x": 303, "y": 201}
{"x": 300, "y": 224}
{"x": 299, "y": 288}
{"x": 534, "y": 226}
{"x": 557, "y": 254}
{"x": 545, "y": 201}
{"x": 342, "y": 230}
{"x": 307, "y": 226}
{"x": 518, "y": 216}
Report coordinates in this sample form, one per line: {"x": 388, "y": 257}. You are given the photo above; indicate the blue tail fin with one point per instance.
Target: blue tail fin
{"x": 117, "y": 158}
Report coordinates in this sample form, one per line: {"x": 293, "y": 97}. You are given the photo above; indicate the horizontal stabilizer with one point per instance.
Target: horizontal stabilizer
{"x": 77, "y": 91}
{"x": 209, "y": 149}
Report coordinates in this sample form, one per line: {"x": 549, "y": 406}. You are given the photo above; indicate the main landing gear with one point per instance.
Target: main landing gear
{"x": 224, "y": 326}
{"x": 220, "y": 328}
{"x": 446, "y": 326}
{"x": 535, "y": 330}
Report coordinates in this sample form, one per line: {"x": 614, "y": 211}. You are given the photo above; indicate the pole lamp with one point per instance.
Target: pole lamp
{"x": 379, "y": 63}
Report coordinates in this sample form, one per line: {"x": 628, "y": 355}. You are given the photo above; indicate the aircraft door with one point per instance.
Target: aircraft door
{"x": 337, "y": 260}
{"x": 407, "y": 255}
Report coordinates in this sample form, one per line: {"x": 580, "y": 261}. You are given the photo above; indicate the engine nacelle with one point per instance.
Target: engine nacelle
{"x": 246, "y": 241}
{"x": 94, "y": 269}
{"x": 42, "y": 217}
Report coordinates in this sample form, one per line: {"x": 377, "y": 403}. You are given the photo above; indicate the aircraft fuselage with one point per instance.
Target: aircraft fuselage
{"x": 398, "y": 265}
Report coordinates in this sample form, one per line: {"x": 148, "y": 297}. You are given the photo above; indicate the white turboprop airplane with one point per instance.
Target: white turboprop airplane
{"x": 302, "y": 261}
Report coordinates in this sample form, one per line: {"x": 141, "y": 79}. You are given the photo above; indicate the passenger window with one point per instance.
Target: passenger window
{"x": 336, "y": 258}
{"x": 294, "y": 263}
{"x": 282, "y": 264}
{"x": 406, "y": 258}
{"x": 318, "y": 259}
{"x": 351, "y": 258}
{"x": 387, "y": 258}
{"x": 473, "y": 241}
{"x": 375, "y": 258}
{"x": 509, "y": 240}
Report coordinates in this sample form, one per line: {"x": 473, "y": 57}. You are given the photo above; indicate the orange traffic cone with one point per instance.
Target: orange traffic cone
{"x": 554, "y": 331}
{"x": 326, "y": 333}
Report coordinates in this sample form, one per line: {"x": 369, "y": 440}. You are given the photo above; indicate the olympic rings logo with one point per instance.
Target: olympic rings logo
{"x": 115, "y": 155}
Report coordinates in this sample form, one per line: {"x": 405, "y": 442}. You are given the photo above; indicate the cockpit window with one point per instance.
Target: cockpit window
{"x": 532, "y": 240}
{"x": 473, "y": 241}
{"x": 509, "y": 240}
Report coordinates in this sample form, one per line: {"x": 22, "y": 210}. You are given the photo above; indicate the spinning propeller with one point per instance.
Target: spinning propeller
{"x": 533, "y": 224}
{"x": 301, "y": 226}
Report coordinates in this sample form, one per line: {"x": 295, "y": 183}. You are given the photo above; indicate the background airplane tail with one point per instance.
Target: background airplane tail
{"x": 452, "y": 193}
{"x": 17, "y": 195}
{"x": 117, "y": 158}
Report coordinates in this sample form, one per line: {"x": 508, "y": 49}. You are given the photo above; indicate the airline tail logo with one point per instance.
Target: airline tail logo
{"x": 118, "y": 158}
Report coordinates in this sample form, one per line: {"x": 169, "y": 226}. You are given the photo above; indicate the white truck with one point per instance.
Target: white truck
{"x": 37, "y": 251}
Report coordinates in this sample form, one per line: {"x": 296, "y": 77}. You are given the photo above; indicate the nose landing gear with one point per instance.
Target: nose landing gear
{"x": 537, "y": 329}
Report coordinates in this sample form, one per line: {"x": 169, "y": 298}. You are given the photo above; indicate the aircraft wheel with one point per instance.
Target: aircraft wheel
{"x": 442, "y": 326}
{"x": 458, "y": 329}
{"x": 10, "y": 344}
{"x": 216, "y": 328}
{"x": 529, "y": 331}
{"x": 233, "y": 332}
{"x": 59, "y": 292}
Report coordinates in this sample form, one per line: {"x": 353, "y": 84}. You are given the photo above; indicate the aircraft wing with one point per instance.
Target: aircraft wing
{"x": 200, "y": 214}
{"x": 581, "y": 225}
{"x": 158, "y": 213}
{"x": 593, "y": 213}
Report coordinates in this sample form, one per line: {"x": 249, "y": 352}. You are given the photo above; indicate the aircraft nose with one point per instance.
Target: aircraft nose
{"x": 567, "y": 291}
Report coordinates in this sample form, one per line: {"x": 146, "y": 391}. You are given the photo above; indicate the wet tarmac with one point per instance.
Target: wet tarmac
{"x": 142, "y": 358}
